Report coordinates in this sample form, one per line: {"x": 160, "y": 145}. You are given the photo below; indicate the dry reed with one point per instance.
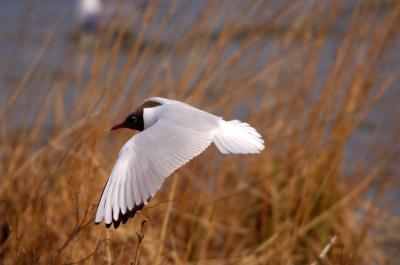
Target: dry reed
{"x": 270, "y": 66}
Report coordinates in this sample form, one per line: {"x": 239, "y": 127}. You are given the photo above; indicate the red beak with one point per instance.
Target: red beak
{"x": 118, "y": 126}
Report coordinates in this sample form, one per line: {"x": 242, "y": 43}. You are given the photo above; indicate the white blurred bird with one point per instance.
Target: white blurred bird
{"x": 88, "y": 13}
{"x": 174, "y": 133}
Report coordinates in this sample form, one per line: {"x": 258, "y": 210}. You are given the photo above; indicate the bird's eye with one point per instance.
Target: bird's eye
{"x": 134, "y": 119}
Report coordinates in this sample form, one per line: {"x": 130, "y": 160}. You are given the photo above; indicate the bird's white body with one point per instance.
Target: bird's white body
{"x": 88, "y": 13}
{"x": 174, "y": 133}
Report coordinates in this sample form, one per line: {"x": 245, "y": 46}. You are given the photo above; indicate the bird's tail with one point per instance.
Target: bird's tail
{"x": 238, "y": 138}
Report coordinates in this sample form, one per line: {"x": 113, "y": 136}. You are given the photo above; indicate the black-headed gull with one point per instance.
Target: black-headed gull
{"x": 173, "y": 133}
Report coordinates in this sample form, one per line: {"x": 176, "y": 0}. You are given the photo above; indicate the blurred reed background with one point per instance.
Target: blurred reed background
{"x": 318, "y": 79}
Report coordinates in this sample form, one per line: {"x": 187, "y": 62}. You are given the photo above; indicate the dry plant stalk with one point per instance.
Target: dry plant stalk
{"x": 140, "y": 237}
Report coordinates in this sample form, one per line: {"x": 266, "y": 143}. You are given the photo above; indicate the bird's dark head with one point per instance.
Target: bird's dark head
{"x": 134, "y": 121}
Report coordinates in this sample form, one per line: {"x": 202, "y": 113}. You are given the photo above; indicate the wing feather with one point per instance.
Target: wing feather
{"x": 129, "y": 193}
{"x": 115, "y": 201}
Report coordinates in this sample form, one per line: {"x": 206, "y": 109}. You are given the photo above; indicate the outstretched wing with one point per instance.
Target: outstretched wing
{"x": 151, "y": 156}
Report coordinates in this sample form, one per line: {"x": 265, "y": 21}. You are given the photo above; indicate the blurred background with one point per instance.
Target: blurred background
{"x": 318, "y": 79}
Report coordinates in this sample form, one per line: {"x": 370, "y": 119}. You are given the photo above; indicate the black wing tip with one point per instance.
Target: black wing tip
{"x": 125, "y": 217}
{"x": 129, "y": 214}
{"x": 117, "y": 223}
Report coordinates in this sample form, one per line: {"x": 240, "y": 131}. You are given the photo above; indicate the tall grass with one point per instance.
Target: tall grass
{"x": 270, "y": 65}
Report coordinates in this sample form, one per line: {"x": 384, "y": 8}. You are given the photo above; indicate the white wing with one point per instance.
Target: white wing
{"x": 149, "y": 157}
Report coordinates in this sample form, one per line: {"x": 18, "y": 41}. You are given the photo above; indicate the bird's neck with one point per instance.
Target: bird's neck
{"x": 150, "y": 117}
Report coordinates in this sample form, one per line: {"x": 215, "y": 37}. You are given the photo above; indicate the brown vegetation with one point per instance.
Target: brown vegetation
{"x": 268, "y": 67}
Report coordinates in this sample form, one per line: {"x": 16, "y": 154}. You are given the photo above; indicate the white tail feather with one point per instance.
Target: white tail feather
{"x": 238, "y": 138}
